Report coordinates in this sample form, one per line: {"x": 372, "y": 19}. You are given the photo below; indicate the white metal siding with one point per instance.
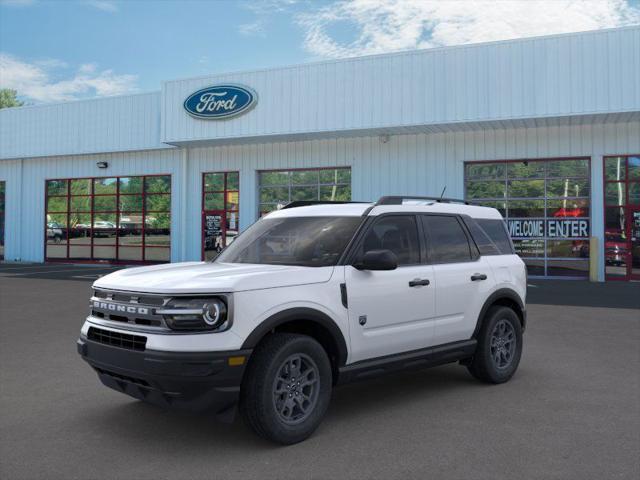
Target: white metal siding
{"x": 90, "y": 126}
{"x": 547, "y": 77}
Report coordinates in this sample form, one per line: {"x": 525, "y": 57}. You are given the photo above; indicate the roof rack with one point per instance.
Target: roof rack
{"x": 397, "y": 200}
{"x": 307, "y": 203}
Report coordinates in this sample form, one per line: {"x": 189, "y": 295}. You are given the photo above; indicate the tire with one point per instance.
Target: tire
{"x": 496, "y": 358}
{"x": 268, "y": 401}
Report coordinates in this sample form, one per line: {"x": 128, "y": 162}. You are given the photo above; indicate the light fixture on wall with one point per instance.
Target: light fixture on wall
{"x": 102, "y": 164}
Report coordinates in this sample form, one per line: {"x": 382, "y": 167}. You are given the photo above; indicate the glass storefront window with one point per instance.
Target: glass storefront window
{"x": 525, "y": 169}
{"x": 614, "y": 193}
{"x": 277, "y": 188}
{"x": 622, "y": 217}
{"x": 633, "y": 168}
{"x": 546, "y": 204}
{"x": 109, "y": 219}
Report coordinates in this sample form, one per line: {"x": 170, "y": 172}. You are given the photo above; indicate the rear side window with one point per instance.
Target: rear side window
{"x": 497, "y": 232}
{"x": 447, "y": 241}
{"x": 485, "y": 244}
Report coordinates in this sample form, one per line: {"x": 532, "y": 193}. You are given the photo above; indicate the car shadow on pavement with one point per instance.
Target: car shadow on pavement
{"x": 148, "y": 426}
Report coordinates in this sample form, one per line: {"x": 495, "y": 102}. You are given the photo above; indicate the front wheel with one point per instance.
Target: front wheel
{"x": 499, "y": 346}
{"x": 287, "y": 388}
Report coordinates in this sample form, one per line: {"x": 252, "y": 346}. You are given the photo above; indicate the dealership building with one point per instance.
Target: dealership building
{"x": 545, "y": 129}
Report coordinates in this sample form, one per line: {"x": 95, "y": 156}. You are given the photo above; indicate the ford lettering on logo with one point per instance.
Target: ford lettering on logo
{"x": 220, "y": 101}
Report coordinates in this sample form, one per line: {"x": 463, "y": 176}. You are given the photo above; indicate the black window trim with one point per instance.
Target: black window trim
{"x": 424, "y": 240}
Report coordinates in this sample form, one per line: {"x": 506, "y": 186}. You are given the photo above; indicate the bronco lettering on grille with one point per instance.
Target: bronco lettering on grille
{"x": 115, "y": 307}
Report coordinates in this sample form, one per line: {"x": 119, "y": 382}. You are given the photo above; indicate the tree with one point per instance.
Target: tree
{"x": 8, "y": 98}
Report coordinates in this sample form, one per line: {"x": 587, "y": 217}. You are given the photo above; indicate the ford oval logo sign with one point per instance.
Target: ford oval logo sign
{"x": 220, "y": 101}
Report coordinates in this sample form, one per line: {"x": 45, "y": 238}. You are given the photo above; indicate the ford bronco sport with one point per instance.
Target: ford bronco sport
{"x": 311, "y": 296}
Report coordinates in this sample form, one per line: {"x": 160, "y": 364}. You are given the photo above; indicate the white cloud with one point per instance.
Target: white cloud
{"x": 252, "y": 29}
{"x": 390, "y": 25}
{"x": 36, "y": 81}
{"x": 104, "y": 5}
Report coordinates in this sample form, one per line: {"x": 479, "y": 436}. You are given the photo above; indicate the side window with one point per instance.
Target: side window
{"x": 396, "y": 233}
{"x": 484, "y": 243}
{"x": 447, "y": 239}
{"x": 497, "y": 232}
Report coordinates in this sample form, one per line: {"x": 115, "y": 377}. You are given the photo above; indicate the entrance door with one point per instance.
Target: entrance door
{"x": 220, "y": 221}
{"x": 634, "y": 243}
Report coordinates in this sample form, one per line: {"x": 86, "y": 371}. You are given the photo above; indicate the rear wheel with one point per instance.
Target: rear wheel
{"x": 287, "y": 388}
{"x": 499, "y": 346}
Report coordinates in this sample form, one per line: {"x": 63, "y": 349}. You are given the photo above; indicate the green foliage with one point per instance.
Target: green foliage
{"x": 8, "y": 98}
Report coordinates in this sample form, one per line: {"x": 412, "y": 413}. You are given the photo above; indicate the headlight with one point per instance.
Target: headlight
{"x": 196, "y": 314}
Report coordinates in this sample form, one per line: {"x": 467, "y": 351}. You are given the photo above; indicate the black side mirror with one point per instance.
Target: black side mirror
{"x": 378, "y": 260}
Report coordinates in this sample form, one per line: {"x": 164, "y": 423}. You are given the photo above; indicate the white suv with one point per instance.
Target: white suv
{"x": 308, "y": 297}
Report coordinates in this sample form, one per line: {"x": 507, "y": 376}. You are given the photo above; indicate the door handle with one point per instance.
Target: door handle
{"x": 478, "y": 276}
{"x": 418, "y": 282}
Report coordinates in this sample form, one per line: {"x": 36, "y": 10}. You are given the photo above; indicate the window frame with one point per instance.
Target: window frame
{"x": 546, "y": 176}
{"x": 225, "y": 210}
{"x": 289, "y": 185}
{"x": 117, "y": 213}
{"x": 627, "y": 207}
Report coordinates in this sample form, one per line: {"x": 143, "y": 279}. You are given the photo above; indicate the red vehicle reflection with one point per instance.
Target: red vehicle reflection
{"x": 570, "y": 212}
{"x": 615, "y": 248}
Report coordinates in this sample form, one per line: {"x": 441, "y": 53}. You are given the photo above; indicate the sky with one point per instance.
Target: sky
{"x": 59, "y": 50}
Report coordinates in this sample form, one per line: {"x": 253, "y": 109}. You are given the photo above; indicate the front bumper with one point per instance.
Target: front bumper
{"x": 194, "y": 381}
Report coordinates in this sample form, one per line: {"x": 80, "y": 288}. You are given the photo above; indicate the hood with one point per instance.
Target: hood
{"x": 203, "y": 277}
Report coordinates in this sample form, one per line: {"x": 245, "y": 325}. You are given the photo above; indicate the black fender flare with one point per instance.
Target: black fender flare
{"x": 297, "y": 314}
{"x": 500, "y": 294}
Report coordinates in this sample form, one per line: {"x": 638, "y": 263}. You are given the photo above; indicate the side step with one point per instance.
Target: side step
{"x": 423, "y": 358}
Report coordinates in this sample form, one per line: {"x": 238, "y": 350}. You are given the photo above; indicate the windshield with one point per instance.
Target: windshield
{"x": 302, "y": 241}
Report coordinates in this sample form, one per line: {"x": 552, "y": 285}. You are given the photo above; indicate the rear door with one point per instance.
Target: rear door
{"x": 391, "y": 311}
{"x": 463, "y": 279}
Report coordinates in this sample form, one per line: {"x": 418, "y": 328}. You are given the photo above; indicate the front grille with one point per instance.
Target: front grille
{"x": 117, "y": 339}
{"x": 132, "y": 308}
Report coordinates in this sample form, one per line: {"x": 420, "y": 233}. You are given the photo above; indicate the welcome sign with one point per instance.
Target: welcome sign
{"x": 219, "y": 102}
{"x": 552, "y": 228}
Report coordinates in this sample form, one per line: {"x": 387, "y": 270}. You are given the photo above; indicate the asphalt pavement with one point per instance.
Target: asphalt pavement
{"x": 571, "y": 412}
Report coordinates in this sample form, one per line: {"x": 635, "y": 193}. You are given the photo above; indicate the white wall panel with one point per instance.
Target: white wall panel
{"x": 546, "y": 77}
{"x": 111, "y": 124}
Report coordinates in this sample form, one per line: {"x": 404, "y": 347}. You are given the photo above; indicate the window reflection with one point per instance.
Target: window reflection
{"x": 277, "y": 188}
{"x": 107, "y": 218}
{"x": 546, "y": 200}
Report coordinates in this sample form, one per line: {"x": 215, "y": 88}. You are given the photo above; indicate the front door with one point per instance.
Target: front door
{"x": 391, "y": 311}
{"x": 634, "y": 243}
{"x": 220, "y": 216}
